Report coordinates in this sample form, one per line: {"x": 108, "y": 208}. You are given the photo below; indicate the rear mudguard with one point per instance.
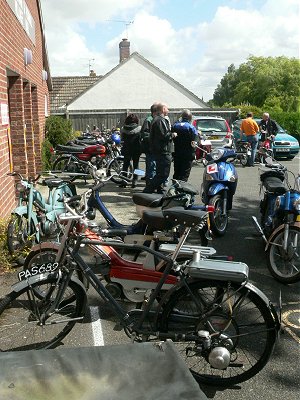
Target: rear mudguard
{"x": 39, "y": 278}
{"x": 274, "y": 233}
{"x": 22, "y": 210}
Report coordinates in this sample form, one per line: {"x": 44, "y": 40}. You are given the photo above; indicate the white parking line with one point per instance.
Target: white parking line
{"x": 96, "y": 326}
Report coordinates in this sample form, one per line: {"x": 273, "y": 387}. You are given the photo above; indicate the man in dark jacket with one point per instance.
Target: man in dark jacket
{"x": 145, "y": 145}
{"x": 161, "y": 148}
{"x": 267, "y": 127}
{"x": 184, "y": 146}
{"x": 130, "y": 136}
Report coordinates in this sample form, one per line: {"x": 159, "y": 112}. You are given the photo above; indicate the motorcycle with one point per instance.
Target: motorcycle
{"x": 218, "y": 186}
{"x": 35, "y": 218}
{"x": 203, "y": 147}
{"x": 179, "y": 194}
{"x": 280, "y": 221}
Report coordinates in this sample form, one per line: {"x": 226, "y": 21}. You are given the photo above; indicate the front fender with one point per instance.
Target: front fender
{"x": 274, "y": 233}
{"x": 216, "y": 188}
{"x": 41, "y": 277}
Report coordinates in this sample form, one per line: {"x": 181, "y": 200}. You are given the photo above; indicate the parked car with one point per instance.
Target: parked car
{"x": 216, "y": 129}
{"x": 284, "y": 145}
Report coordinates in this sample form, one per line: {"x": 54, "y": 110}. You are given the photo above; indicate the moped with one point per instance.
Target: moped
{"x": 35, "y": 218}
{"x": 219, "y": 185}
{"x": 280, "y": 221}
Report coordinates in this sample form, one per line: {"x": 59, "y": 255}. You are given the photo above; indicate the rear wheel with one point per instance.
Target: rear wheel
{"x": 21, "y": 236}
{"x": 218, "y": 220}
{"x": 237, "y": 321}
{"x": 284, "y": 265}
{"x": 244, "y": 160}
{"x": 67, "y": 164}
{"x": 23, "y": 325}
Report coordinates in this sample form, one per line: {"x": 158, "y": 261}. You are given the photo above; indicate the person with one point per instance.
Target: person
{"x": 184, "y": 146}
{"x": 145, "y": 145}
{"x": 161, "y": 148}
{"x": 130, "y": 136}
{"x": 250, "y": 128}
{"x": 267, "y": 127}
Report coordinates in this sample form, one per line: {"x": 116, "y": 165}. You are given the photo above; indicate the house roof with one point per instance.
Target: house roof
{"x": 65, "y": 88}
{"x": 134, "y": 84}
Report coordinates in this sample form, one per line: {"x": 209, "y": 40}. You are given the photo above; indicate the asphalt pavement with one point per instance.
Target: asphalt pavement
{"x": 280, "y": 379}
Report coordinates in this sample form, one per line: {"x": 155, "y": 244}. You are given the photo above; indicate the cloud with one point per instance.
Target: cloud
{"x": 197, "y": 55}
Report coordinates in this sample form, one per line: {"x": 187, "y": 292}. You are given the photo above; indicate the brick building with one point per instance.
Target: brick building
{"x": 24, "y": 93}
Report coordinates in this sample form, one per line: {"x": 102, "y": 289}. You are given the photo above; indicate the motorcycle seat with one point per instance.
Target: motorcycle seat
{"x": 274, "y": 185}
{"x": 69, "y": 149}
{"x": 147, "y": 199}
{"x": 52, "y": 182}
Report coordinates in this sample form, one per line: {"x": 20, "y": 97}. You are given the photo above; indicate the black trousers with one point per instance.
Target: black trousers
{"x": 182, "y": 168}
{"x": 163, "y": 166}
{"x": 135, "y": 157}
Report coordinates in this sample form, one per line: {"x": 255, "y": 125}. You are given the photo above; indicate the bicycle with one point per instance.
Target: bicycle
{"x": 224, "y": 327}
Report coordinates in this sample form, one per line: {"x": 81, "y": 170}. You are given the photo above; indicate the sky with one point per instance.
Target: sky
{"x": 193, "y": 41}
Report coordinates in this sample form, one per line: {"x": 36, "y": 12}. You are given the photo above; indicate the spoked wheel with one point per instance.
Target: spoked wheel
{"x": 21, "y": 236}
{"x": 218, "y": 220}
{"x": 115, "y": 167}
{"x": 240, "y": 331}
{"x": 244, "y": 160}
{"x": 285, "y": 265}
{"x": 67, "y": 164}
{"x": 22, "y": 322}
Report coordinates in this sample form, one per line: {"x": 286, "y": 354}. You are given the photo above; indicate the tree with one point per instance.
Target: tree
{"x": 263, "y": 82}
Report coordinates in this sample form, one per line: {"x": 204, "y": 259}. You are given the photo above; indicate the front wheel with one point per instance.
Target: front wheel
{"x": 244, "y": 160}
{"x": 235, "y": 324}
{"x": 115, "y": 168}
{"x": 218, "y": 220}
{"x": 21, "y": 236}
{"x": 24, "y": 322}
{"x": 284, "y": 265}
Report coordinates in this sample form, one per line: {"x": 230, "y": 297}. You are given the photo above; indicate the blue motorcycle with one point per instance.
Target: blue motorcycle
{"x": 219, "y": 185}
{"x": 280, "y": 221}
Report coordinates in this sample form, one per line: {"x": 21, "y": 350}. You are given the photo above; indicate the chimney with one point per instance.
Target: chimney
{"x": 124, "y": 47}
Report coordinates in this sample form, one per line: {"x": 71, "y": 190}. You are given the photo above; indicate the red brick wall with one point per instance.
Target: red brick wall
{"x": 22, "y": 88}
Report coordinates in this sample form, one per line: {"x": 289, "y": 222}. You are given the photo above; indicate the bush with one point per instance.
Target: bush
{"x": 5, "y": 259}
{"x": 58, "y": 130}
{"x": 47, "y": 155}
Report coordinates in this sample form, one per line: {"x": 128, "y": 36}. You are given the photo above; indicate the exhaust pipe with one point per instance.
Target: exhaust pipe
{"x": 258, "y": 228}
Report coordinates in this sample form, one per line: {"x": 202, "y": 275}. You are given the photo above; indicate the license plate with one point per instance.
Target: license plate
{"x": 37, "y": 270}
{"x": 283, "y": 149}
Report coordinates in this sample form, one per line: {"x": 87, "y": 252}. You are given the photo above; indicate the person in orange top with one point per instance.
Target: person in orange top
{"x": 250, "y": 128}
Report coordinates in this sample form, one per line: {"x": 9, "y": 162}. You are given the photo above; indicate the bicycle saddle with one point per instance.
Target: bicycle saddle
{"x": 273, "y": 184}
{"x": 52, "y": 182}
{"x": 157, "y": 221}
{"x": 184, "y": 217}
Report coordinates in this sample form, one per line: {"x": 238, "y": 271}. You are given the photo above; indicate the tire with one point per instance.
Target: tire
{"x": 285, "y": 267}
{"x": 47, "y": 256}
{"x": 21, "y": 326}
{"x": 20, "y": 237}
{"x": 242, "y": 318}
{"x": 66, "y": 164}
{"x": 244, "y": 160}
{"x": 115, "y": 166}
{"x": 218, "y": 222}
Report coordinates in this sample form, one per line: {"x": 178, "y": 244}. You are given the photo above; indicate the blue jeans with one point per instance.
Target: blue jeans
{"x": 253, "y": 140}
{"x": 150, "y": 167}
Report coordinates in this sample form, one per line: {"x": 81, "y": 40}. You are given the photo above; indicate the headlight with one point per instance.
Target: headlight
{"x": 232, "y": 179}
{"x": 296, "y": 204}
{"x": 217, "y": 154}
{"x": 294, "y": 144}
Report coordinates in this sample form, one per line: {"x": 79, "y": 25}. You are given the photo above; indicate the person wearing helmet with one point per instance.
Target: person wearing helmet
{"x": 184, "y": 146}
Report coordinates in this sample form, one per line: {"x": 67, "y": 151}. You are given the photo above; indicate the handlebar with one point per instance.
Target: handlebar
{"x": 21, "y": 177}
